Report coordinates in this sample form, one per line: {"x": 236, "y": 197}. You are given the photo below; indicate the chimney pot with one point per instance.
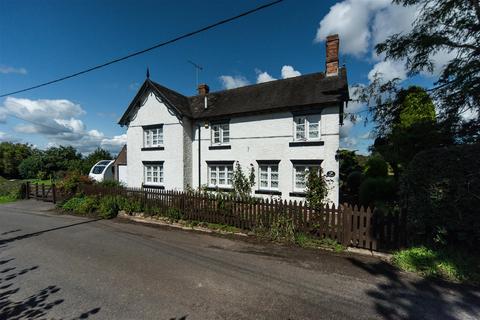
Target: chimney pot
{"x": 332, "y": 46}
{"x": 203, "y": 89}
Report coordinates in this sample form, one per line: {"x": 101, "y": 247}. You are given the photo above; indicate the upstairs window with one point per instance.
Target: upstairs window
{"x": 153, "y": 137}
{"x": 221, "y": 133}
{"x": 307, "y": 128}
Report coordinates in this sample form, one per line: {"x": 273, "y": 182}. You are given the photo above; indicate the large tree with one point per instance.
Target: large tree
{"x": 411, "y": 128}
{"x": 443, "y": 27}
{"x": 11, "y": 155}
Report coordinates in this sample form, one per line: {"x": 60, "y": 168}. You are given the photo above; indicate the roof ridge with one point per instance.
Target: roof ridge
{"x": 266, "y": 83}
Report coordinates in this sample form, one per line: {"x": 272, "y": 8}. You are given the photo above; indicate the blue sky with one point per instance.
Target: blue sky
{"x": 42, "y": 40}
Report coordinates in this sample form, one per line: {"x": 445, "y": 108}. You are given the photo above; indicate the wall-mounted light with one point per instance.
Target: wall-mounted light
{"x": 205, "y": 125}
{"x": 337, "y": 154}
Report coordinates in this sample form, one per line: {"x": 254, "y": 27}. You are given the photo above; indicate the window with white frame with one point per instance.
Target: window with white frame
{"x": 220, "y": 175}
{"x": 268, "y": 176}
{"x": 153, "y": 137}
{"x": 307, "y": 127}
{"x": 221, "y": 133}
{"x": 153, "y": 173}
{"x": 300, "y": 176}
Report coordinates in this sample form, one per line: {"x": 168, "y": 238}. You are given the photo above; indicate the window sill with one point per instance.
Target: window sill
{"x": 271, "y": 192}
{"x": 152, "y": 148}
{"x": 219, "y": 189}
{"x": 152, "y": 186}
{"x": 297, "y": 194}
{"x": 306, "y": 143}
{"x": 219, "y": 147}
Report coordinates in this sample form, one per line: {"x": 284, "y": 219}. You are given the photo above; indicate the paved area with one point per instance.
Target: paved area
{"x": 65, "y": 267}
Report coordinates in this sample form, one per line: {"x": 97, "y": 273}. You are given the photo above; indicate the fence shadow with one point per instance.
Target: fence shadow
{"x": 399, "y": 297}
{"x": 34, "y": 234}
{"x": 35, "y": 306}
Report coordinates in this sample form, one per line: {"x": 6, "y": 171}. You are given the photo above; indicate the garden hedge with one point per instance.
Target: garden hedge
{"x": 441, "y": 191}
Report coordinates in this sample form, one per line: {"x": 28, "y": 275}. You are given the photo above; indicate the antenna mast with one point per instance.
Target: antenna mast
{"x": 197, "y": 69}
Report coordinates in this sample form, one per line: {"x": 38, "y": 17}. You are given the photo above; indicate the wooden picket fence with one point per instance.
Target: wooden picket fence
{"x": 352, "y": 226}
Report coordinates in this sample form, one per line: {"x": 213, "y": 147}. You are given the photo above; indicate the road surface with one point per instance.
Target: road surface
{"x": 64, "y": 267}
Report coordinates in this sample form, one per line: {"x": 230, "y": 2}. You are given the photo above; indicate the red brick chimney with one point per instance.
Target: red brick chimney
{"x": 331, "y": 65}
{"x": 203, "y": 89}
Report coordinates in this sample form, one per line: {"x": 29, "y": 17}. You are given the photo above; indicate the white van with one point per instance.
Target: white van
{"x": 102, "y": 170}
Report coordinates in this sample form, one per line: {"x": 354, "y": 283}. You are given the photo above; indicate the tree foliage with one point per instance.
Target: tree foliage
{"x": 11, "y": 155}
{"x": 443, "y": 27}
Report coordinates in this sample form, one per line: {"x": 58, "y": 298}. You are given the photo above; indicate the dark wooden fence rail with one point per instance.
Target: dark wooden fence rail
{"x": 48, "y": 193}
{"x": 352, "y": 226}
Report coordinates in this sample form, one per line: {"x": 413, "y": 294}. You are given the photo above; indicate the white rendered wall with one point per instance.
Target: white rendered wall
{"x": 267, "y": 137}
{"x": 154, "y": 112}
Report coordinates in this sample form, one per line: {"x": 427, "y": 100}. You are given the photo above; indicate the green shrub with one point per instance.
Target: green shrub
{"x": 108, "y": 207}
{"x": 110, "y": 184}
{"x": 374, "y": 191}
{"x": 376, "y": 167}
{"x": 441, "y": 191}
{"x": 87, "y": 206}
{"x": 174, "y": 214}
{"x": 130, "y": 205}
{"x": 73, "y": 203}
{"x": 282, "y": 229}
{"x": 317, "y": 189}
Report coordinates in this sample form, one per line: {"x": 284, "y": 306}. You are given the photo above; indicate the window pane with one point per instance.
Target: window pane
{"x": 225, "y": 133}
{"x": 313, "y": 130}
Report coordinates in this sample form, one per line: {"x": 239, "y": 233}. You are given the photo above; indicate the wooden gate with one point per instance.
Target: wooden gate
{"x": 42, "y": 192}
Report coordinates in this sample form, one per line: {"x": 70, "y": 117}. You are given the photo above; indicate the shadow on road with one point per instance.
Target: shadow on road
{"x": 35, "y": 306}
{"x": 34, "y": 234}
{"x": 401, "y": 298}
{"x": 11, "y": 231}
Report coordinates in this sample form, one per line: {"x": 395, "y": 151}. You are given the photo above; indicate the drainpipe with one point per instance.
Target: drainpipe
{"x": 199, "y": 158}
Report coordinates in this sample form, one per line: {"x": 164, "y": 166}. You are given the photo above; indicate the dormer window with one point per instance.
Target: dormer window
{"x": 153, "y": 136}
{"x": 221, "y": 133}
{"x": 307, "y": 128}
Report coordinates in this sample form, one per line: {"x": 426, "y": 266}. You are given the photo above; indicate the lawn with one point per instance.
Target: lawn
{"x": 448, "y": 263}
{"x": 9, "y": 190}
{"x": 47, "y": 182}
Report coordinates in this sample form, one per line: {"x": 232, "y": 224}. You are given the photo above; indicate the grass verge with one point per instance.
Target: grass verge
{"x": 449, "y": 264}
{"x": 306, "y": 241}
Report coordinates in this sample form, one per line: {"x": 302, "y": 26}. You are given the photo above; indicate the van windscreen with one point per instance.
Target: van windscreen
{"x": 98, "y": 169}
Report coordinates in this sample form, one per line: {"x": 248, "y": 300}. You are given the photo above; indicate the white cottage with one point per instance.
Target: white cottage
{"x": 282, "y": 128}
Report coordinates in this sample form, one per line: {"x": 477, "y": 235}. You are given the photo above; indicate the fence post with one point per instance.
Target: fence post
{"x": 54, "y": 193}
{"x": 347, "y": 217}
{"x": 36, "y": 190}
{"x": 27, "y": 190}
{"x": 43, "y": 191}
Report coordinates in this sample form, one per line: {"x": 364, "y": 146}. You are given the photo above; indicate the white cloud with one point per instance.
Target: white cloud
{"x": 7, "y": 70}
{"x": 230, "y": 82}
{"x": 264, "y": 77}
{"x": 289, "y": 72}
{"x": 391, "y": 20}
{"x": 57, "y": 121}
{"x": 388, "y": 70}
{"x": 116, "y": 141}
{"x": 348, "y": 143}
{"x": 350, "y": 19}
